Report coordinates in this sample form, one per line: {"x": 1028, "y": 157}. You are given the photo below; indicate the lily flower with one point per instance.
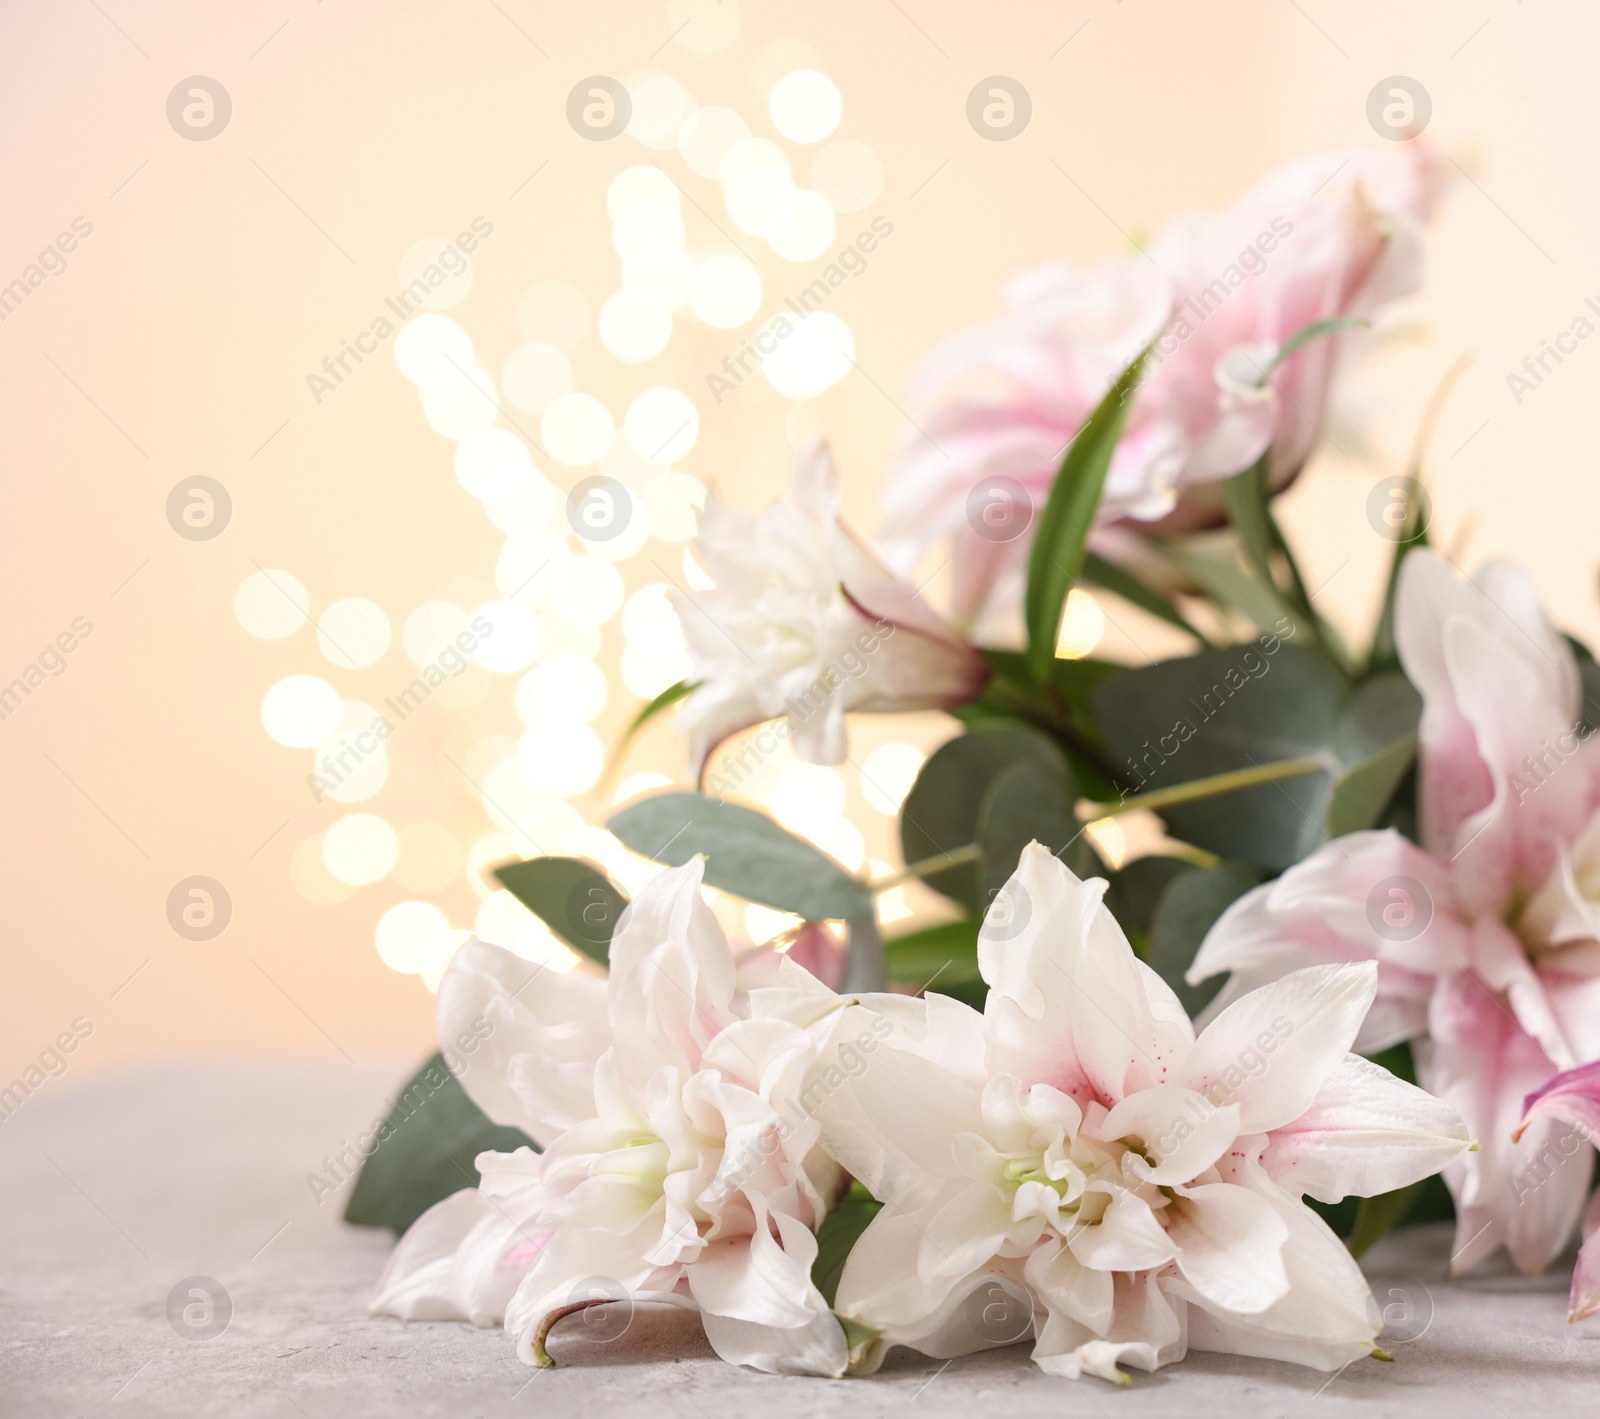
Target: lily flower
{"x": 1074, "y": 1166}
{"x": 1331, "y": 238}
{"x": 805, "y": 623}
{"x": 1487, "y": 935}
{"x": 673, "y": 1172}
{"x": 1573, "y": 1098}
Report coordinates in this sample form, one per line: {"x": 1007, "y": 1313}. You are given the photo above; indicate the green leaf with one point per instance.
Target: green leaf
{"x": 1376, "y": 741}
{"x": 1227, "y": 710}
{"x": 424, "y": 1150}
{"x": 1032, "y": 801}
{"x": 1188, "y": 908}
{"x": 1108, "y": 576}
{"x": 1056, "y": 558}
{"x": 1376, "y": 1215}
{"x": 1245, "y": 497}
{"x": 1135, "y": 891}
{"x": 746, "y": 854}
{"x": 570, "y": 895}
{"x": 665, "y": 700}
{"x": 946, "y": 954}
{"x": 839, "y": 1232}
{"x": 1232, "y": 587}
{"x": 940, "y": 813}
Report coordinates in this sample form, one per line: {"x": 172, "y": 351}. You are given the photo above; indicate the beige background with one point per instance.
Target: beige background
{"x": 179, "y": 337}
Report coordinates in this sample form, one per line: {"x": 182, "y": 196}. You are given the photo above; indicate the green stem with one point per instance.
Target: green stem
{"x": 916, "y": 871}
{"x": 1211, "y": 786}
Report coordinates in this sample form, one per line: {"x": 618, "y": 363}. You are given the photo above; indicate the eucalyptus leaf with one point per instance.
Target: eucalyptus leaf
{"x": 1243, "y": 707}
{"x": 1187, "y": 909}
{"x": 1229, "y": 585}
{"x": 570, "y": 895}
{"x": 746, "y": 854}
{"x": 424, "y": 1150}
{"x": 940, "y": 814}
{"x": 1030, "y": 802}
{"x": 946, "y": 954}
{"x": 1135, "y": 890}
{"x": 1055, "y": 560}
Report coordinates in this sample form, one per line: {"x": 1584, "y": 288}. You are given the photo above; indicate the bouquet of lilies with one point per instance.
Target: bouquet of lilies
{"x": 1114, "y": 1114}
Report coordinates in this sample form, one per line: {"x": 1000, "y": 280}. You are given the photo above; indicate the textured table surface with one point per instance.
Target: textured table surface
{"x": 113, "y": 1193}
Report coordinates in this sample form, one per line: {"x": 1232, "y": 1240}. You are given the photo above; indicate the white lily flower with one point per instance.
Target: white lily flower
{"x": 805, "y": 623}
{"x": 673, "y": 1172}
{"x": 1075, "y": 1155}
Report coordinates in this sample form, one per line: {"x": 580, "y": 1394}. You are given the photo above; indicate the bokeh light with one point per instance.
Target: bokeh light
{"x": 887, "y": 774}
{"x": 577, "y": 429}
{"x": 353, "y": 633}
{"x": 359, "y": 849}
{"x": 805, "y": 105}
{"x": 662, "y": 425}
{"x": 300, "y": 710}
{"x": 406, "y": 933}
{"x": 815, "y": 355}
{"x": 271, "y": 604}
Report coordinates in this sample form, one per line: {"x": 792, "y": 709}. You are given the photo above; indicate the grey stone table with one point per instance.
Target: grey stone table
{"x": 113, "y": 1193}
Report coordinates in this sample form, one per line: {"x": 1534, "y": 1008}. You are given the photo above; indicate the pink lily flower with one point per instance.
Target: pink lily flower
{"x": 1487, "y": 935}
{"x": 995, "y": 406}
{"x": 1573, "y": 1098}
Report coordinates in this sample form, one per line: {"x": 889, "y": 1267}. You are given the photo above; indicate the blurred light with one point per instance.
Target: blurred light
{"x": 492, "y": 464}
{"x": 644, "y": 182}
{"x": 672, "y": 502}
{"x": 649, "y": 667}
{"x": 561, "y": 635}
{"x": 360, "y": 848}
{"x": 352, "y": 759}
{"x": 441, "y": 952}
{"x": 843, "y": 841}
{"x": 430, "y": 858}
{"x": 805, "y": 105}
{"x": 1081, "y": 627}
{"x": 532, "y": 566}
{"x": 848, "y": 175}
{"x": 353, "y": 633}
{"x": 707, "y": 136}
{"x": 433, "y": 351}
{"x": 504, "y": 921}
{"x": 1109, "y": 840}
{"x": 661, "y": 106}
{"x": 810, "y": 231}
{"x": 406, "y": 932}
{"x": 456, "y": 410}
{"x": 662, "y": 424}
{"x": 648, "y": 233}
{"x": 533, "y": 375}
{"x": 553, "y": 313}
{"x": 535, "y": 507}
{"x": 563, "y": 759}
{"x": 311, "y": 878}
{"x": 485, "y": 853}
{"x": 634, "y": 326}
{"x": 815, "y": 356}
{"x": 513, "y": 639}
{"x": 429, "y": 629}
{"x": 667, "y": 284}
{"x": 759, "y": 197}
{"x": 443, "y": 270}
{"x": 300, "y": 710}
{"x": 763, "y": 923}
{"x": 635, "y": 784}
{"x": 271, "y": 604}
{"x": 649, "y": 613}
{"x": 725, "y": 291}
{"x": 703, "y": 26}
{"x": 887, "y": 774}
{"x": 781, "y": 57}
{"x": 807, "y": 798}
{"x": 697, "y": 576}
{"x": 577, "y": 428}
{"x": 564, "y": 688}
{"x": 591, "y": 594}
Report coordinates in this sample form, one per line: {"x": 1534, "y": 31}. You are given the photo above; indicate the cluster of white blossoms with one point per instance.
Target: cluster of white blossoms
{"x": 1139, "y": 1189}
